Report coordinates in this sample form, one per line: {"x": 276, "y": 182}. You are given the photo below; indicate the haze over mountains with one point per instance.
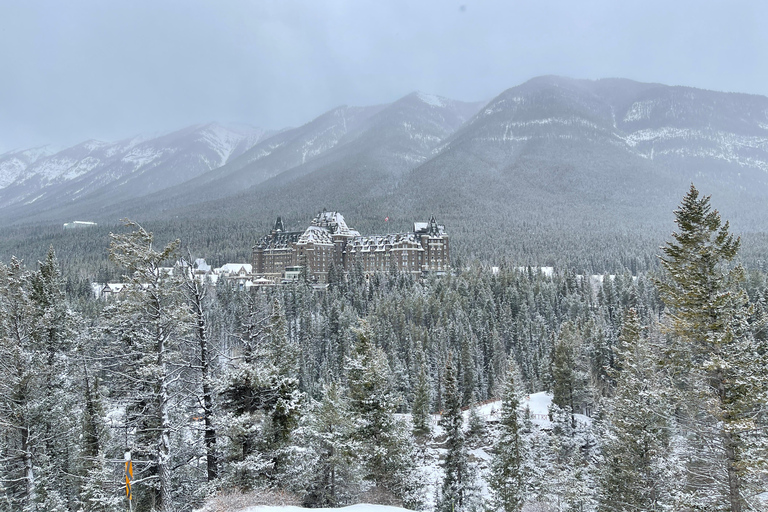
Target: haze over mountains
{"x": 554, "y": 152}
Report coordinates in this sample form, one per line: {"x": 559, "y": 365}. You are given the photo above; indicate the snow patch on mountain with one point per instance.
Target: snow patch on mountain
{"x": 265, "y": 152}
{"x": 719, "y": 145}
{"x": 141, "y": 156}
{"x": 639, "y": 110}
{"x": 569, "y": 121}
{"x": 415, "y": 134}
{"x": 221, "y": 140}
{"x": 431, "y": 99}
{"x": 14, "y": 163}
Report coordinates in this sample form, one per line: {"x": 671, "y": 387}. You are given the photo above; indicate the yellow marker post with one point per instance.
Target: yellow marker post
{"x": 128, "y": 479}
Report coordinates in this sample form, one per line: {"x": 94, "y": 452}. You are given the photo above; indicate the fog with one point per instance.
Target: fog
{"x": 108, "y": 70}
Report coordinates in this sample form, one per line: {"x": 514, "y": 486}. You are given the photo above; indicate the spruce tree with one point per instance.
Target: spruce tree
{"x": 639, "y": 463}
{"x": 421, "y": 403}
{"x": 261, "y": 403}
{"x": 507, "y": 478}
{"x": 458, "y": 493}
{"x": 330, "y": 436}
{"x": 715, "y": 358}
{"x": 146, "y": 327}
{"x": 386, "y": 450}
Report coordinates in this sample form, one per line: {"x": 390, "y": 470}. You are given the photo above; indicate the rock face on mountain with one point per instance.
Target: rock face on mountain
{"x": 609, "y": 154}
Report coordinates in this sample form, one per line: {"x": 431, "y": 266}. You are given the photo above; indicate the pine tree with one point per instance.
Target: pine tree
{"x": 714, "y": 355}
{"x": 421, "y": 402}
{"x": 507, "y": 478}
{"x": 386, "y": 450}
{"x": 147, "y": 326}
{"x": 570, "y": 378}
{"x": 639, "y": 463}
{"x": 38, "y": 459}
{"x": 329, "y": 433}
{"x": 458, "y": 489}
{"x": 261, "y": 403}
{"x": 199, "y": 303}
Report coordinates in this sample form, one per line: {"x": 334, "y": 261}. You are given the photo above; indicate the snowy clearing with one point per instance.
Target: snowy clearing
{"x": 360, "y": 507}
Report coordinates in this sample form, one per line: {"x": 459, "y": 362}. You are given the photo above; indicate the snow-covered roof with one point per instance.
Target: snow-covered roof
{"x": 279, "y": 240}
{"x": 431, "y": 228}
{"x": 201, "y": 265}
{"x": 334, "y": 222}
{"x": 316, "y": 235}
{"x": 381, "y": 242}
{"x": 234, "y": 268}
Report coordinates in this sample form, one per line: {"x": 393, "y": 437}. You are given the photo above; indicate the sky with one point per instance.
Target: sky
{"x": 108, "y": 70}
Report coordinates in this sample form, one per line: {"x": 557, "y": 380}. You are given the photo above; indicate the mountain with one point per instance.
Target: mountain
{"x": 576, "y": 149}
{"x": 14, "y": 163}
{"x": 552, "y": 167}
{"x": 95, "y": 174}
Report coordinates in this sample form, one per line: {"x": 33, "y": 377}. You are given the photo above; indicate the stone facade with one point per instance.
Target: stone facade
{"x": 328, "y": 241}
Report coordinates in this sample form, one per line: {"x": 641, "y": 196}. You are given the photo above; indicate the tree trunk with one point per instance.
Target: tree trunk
{"x": 210, "y": 430}
{"x": 29, "y": 472}
{"x": 734, "y": 480}
{"x": 164, "y": 440}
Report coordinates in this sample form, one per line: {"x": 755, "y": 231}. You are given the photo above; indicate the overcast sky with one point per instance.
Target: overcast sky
{"x": 102, "y": 69}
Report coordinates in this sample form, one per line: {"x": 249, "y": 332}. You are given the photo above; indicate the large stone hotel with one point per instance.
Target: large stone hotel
{"x": 329, "y": 241}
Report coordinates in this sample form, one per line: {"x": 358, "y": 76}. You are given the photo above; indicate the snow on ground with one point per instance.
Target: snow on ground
{"x": 360, "y": 507}
{"x": 431, "y": 458}
{"x": 537, "y": 403}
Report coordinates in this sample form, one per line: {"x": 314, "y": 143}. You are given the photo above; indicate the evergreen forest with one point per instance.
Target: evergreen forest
{"x": 180, "y": 393}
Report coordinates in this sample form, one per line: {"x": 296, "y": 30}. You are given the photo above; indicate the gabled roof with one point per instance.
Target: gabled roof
{"x": 234, "y": 268}
{"x": 334, "y": 223}
{"x": 316, "y": 235}
{"x": 431, "y": 228}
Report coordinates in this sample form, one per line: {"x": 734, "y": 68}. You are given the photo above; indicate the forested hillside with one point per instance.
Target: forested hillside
{"x": 554, "y": 171}
{"x": 359, "y": 393}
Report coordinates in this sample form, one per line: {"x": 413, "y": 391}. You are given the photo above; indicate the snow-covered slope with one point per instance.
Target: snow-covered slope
{"x": 104, "y": 172}
{"x": 13, "y": 164}
{"x": 360, "y": 507}
{"x": 549, "y": 150}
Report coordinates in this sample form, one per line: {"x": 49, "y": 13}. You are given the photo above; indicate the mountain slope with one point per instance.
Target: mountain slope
{"x": 558, "y": 150}
{"x": 94, "y": 174}
{"x": 553, "y": 163}
{"x": 348, "y": 152}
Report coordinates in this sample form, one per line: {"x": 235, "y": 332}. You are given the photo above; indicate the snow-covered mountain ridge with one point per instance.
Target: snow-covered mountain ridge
{"x": 576, "y": 141}
{"x": 137, "y": 165}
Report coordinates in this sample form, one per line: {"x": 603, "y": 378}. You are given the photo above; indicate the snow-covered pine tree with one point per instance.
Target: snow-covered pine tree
{"x": 422, "y": 428}
{"x": 261, "y": 403}
{"x": 507, "y": 478}
{"x": 639, "y": 469}
{"x": 20, "y": 389}
{"x": 459, "y": 491}
{"x": 329, "y": 433}
{"x": 570, "y": 378}
{"x": 37, "y": 455}
{"x": 146, "y": 327}
{"x": 569, "y": 470}
{"x": 716, "y": 361}
{"x": 387, "y": 453}
{"x": 54, "y": 334}
{"x": 200, "y": 306}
